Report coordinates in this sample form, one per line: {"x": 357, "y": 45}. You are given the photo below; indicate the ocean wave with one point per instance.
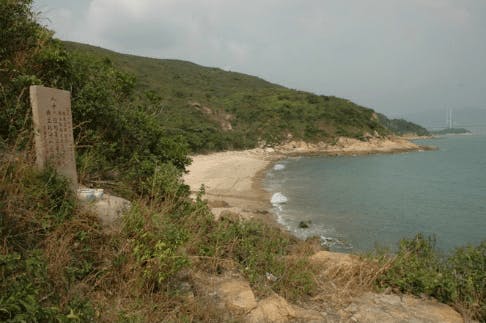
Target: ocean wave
{"x": 278, "y": 198}
{"x": 279, "y": 167}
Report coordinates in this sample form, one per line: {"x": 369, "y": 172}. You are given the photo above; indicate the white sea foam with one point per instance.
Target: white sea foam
{"x": 278, "y": 198}
{"x": 279, "y": 167}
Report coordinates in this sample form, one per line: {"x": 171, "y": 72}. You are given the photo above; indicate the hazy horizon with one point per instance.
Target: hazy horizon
{"x": 411, "y": 59}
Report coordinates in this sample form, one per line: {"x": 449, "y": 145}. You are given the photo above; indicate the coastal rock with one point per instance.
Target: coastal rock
{"x": 231, "y": 293}
{"x": 371, "y": 307}
{"x": 348, "y": 279}
{"x": 237, "y": 295}
{"x": 234, "y": 294}
{"x": 345, "y": 145}
{"x": 276, "y": 309}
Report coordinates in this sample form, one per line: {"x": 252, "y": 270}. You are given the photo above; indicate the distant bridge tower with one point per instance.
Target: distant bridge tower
{"x": 449, "y": 121}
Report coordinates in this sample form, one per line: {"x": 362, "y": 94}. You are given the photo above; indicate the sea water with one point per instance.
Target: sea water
{"x": 355, "y": 203}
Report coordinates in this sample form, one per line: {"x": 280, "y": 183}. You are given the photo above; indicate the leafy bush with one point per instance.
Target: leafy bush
{"x": 164, "y": 237}
{"x": 459, "y": 279}
{"x": 22, "y": 283}
{"x": 21, "y": 39}
{"x": 114, "y": 128}
{"x": 155, "y": 243}
{"x": 467, "y": 269}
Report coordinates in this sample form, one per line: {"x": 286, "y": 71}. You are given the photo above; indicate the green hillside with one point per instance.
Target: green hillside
{"x": 451, "y": 131}
{"x": 215, "y": 109}
{"x": 403, "y": 127}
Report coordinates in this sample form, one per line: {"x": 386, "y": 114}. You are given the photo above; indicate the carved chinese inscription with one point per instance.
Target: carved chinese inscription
{"x": 54, "y": 142}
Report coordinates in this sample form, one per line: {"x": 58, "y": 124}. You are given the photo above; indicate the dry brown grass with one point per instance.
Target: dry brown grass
{"x": 18, "y": 216}
{"x": 344, "y": 276}
{"x": 80, "y": 238}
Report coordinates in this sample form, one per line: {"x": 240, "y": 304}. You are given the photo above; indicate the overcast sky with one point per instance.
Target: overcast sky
{"x": 399, "y": 57}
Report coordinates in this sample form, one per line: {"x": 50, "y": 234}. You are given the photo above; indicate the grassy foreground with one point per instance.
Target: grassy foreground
{"x": 57, "y": 262}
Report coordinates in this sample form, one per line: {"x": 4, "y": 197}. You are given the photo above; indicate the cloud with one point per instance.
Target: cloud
{"x": 387, "y": 54}
{"x": 451, "y": 11}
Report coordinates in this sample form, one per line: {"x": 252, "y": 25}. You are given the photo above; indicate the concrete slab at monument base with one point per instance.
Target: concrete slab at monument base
{"x": 108, "y": 208}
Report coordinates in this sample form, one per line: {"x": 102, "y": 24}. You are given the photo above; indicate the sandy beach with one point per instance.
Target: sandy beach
{"x": 233, "y": 179}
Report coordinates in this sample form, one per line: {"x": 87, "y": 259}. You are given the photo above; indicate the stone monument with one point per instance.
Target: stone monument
{"x": 53, "y": 128}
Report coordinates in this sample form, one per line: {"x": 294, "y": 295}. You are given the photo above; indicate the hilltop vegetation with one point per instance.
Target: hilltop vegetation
{"x": 215, "y": 109}
{"x": 403, "y": 127}
{"x": 452, "y": 131}
{"x": 57, "y": 264}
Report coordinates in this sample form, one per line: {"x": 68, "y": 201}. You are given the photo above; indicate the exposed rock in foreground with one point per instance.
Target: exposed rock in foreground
{"x": 371, "y": 307}
{"x": 236, "y": 296}
{"x": 233, "y": 294}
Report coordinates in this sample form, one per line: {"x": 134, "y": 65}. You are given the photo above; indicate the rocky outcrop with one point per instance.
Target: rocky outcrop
{"x": 231, "y": 293}
{"x": 350, "y": 280}
{"x": 235, "y": 295}
{"x": 219, "y": 116}
{"x": 344, "y": 146}
{"x": 372, "y": 307}
{"x": 276, "y": 309}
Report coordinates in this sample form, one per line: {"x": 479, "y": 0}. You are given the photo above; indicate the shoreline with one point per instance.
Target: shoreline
{"x": 233, "y": 180}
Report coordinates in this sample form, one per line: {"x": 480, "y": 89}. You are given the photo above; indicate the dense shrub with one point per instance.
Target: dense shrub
{"x": 114, "y": 129}
{"x": 22, "y": 282}
{"x": 458, "y": 279}
{"x": 155, "y": 243}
